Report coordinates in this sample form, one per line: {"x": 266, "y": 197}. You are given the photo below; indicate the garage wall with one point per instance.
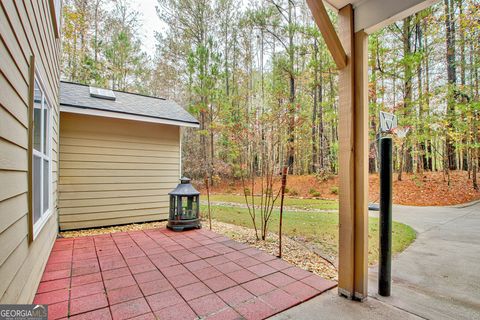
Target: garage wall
{"x": 115, "y": 171}
{"x": 26, "y": 29}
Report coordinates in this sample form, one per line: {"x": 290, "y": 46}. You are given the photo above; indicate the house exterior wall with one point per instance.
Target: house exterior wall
{"x": 26, "y": 29}
{"x": 115, "y": 171}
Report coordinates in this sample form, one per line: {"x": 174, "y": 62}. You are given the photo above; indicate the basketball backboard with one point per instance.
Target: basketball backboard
{"x": 388, "y": 121}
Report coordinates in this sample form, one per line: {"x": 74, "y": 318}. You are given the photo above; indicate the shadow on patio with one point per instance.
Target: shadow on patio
{"x": 162, "y": 274}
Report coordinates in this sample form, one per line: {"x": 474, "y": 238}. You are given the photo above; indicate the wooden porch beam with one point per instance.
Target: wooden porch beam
{"x": 325, "y": 25}
{"x": 353, "y": 161}
{"x": 346, "y": 159}
{"x": 361, "y": 148}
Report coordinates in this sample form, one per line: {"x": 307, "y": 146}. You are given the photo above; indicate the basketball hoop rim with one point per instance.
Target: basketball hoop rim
{"x": 401, "y": 132}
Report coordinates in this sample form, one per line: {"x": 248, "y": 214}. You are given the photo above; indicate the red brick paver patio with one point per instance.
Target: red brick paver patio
{"x": 160, "y": 274}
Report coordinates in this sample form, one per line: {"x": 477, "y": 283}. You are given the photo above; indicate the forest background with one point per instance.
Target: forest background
{"x": 259, "y": 78}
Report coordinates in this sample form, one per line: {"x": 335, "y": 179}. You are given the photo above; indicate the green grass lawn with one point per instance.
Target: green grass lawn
{"x": 304, "y": 204}
{"x": 318, "y": 228}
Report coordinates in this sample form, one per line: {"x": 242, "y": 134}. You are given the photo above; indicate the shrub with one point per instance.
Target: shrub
{"x": 216, "y": 179}
{"x": 334, "y": 190}
{"x": 246, "y": 191}
{"x": 316, "y": 194}
{"x": 293, "y": 192}
{"x": 323, "y": 175}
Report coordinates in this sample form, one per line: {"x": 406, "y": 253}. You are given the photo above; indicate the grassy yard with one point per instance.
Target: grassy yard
{"x": 302, "y": 204}
{"x": 317, "y": 228}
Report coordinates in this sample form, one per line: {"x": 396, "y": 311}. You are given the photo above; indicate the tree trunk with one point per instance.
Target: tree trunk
{"x": 95, "y": 43}
{"x": 400, "y": 166}
{"x": 374, "y": 56}
{"x": 420, "y": 141}
{"x": 451, "y": 78}
{"x": 463, "y": 65}
{"x": 203, "y": 144}
{"x": 334, "y": 129}
{"x": 474, "y": 174}
{"x": 428, "y": 158}
{"x": 291, "y": 106}
{"x": 314, "y": 166}
{"x": 212, "y": 149}
{"x": 321, "y": 128}
{"x": 406, "y": 155}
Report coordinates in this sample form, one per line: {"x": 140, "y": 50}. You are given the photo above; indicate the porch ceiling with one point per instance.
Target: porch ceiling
{"x": 372, "y": 15}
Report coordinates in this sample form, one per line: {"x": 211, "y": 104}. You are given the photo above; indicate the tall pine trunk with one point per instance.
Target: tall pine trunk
{"x": 406, "y": 162}
{"x": 420, "y": 140}
{"x": 451, "y": 79}
{"x": 314, "y": 166}
{"x": 374, "y": 56}
{"x": 463, "y": 65}
{"x": 291, "y": 105}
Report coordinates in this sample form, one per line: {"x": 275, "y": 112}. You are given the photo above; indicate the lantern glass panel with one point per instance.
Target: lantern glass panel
{"x": 184, "y": 208}
{"x": 172, "y": 207}
{"x": 194, "y": 206}
{"x": 190, "y": 207}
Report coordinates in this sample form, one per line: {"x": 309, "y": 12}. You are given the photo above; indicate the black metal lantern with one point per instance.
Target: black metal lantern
{"x": 184, "y": 207}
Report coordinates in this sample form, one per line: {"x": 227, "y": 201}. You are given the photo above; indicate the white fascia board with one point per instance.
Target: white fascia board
{"x": 117, "y": 115}
{"x": 328, "y": 4}
{"x": 372, "y": 15}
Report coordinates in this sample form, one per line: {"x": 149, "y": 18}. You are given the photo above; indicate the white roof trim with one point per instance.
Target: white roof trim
{"x": 117, "y": 115}
{"x": 372, "y": 15}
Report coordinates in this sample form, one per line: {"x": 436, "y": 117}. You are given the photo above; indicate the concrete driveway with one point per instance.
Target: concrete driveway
{"x": 437, "y": 277}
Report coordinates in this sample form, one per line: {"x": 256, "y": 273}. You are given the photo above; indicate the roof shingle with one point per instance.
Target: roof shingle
{"x": 78, "y": 95}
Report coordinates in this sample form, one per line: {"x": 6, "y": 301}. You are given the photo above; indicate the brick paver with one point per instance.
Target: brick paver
{"x": 161, "y": 274}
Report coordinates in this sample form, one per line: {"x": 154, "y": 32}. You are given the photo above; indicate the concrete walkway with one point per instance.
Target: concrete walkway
{"x": 437, "y": 277}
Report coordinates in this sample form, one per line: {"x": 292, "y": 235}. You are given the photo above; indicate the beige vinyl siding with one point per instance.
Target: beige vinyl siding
{"x": 115, "y": 171}
{"x": 25, "y": 30}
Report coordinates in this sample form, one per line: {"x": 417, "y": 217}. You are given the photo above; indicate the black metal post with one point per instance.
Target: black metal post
{"x": 385, "y": 265}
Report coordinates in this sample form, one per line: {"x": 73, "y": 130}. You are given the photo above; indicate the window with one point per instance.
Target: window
{"x": 41, "y": 175}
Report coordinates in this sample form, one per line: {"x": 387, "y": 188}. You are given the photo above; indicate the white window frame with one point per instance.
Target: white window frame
{"x": 46, "y": 103}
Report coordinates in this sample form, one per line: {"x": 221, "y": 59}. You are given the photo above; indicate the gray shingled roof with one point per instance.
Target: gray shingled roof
{"x": 78, "y": 95}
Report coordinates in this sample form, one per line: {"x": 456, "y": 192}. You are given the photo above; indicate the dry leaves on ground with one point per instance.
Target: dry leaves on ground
{"x": 427, "y": 189}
